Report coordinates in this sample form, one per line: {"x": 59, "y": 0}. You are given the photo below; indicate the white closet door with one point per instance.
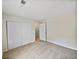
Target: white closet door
{"x": 42, "y": 32}
{"x": 19, "y": 34}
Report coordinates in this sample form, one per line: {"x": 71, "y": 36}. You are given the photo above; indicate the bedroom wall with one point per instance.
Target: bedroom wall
{"x": 16, "y": 21}
{"x": 4, "y": 38}
{"x": 18, "y": 27}
{"x": 15, "y": 28}
{"x": 62, "y": 30}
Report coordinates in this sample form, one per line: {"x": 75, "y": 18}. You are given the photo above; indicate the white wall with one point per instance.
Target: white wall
{"x": 20, "y": 32}
{"x": 62, "y": 30}
{"x": 4, "y": 38}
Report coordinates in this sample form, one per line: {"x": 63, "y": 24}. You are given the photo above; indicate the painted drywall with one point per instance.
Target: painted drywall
{"x": 16, "y": 22}
{"x": 61, "y": 30}
{"x": 20, "y": 31}
{"x": 4, "y": 38}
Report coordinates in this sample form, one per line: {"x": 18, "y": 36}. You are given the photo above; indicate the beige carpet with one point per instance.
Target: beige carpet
{"x": 40, "y": 50}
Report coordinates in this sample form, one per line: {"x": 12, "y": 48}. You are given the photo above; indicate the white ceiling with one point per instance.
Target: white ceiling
{"x": 38, "y": 9}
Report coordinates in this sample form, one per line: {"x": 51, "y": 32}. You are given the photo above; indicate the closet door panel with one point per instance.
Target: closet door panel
{"x": 19, "y": 34}
{"x": 42, "y": 32}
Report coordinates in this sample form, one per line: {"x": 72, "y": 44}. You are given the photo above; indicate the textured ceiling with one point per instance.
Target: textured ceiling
{"x": 38, "y": 9}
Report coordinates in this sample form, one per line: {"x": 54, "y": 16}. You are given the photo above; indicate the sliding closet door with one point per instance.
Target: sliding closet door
{"x": 19, "y": 33}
